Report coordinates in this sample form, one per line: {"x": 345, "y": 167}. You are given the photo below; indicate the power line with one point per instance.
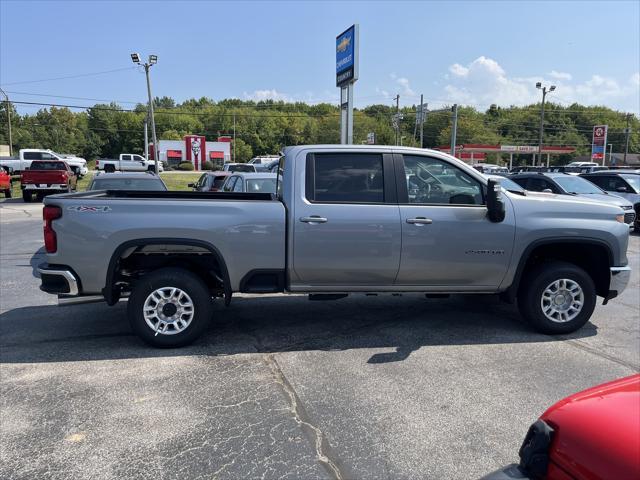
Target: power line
{"x": 71, "y": 76}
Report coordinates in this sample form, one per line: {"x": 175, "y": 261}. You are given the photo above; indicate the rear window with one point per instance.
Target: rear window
{"x": 242, "y": 168}
{"x": 345, "y": 178}
{"x": 261, "y": 185}
{"x": 150, "y": 184}
{"x": 48, "y": 166}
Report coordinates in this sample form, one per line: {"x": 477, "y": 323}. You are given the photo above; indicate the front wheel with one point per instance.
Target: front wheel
{"x": 8, "y": 193}
{"x": 557, "y": 297}
{"x": 170, "y": 307}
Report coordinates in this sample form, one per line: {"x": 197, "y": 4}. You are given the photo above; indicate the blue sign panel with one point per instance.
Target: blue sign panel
{"x": 346, "y": 56}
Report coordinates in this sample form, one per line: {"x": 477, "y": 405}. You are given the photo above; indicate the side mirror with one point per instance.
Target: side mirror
{"x": 547, "y": 190}
{"x": 191, "y": 185}
{"x": 495, "y": 204}
{"x": 621, "y": 189}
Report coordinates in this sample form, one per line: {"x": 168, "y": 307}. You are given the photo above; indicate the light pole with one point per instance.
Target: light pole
{"x": 6, "y": 97}
{"x": 153, "y": 59}
{"x": 544, "y": 94}
{"x": 610, "y": 155}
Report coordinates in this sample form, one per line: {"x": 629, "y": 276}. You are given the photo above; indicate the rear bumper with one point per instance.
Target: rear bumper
{"x": 45, "y": 186}
{"x": 619, "y": 279}
{"x": 58, "y": 280}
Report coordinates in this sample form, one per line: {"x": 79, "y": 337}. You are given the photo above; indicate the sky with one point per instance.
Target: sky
{"x": 469, "y": 52}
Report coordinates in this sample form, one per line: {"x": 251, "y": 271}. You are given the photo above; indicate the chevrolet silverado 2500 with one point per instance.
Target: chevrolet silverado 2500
{"x": 344, "y": 219}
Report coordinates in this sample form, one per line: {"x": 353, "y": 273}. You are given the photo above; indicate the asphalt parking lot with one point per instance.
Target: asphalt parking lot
{"x": 362, "y": 388}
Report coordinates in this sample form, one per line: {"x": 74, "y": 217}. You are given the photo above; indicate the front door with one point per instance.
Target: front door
{"x": 447, "y": 239}
{"x": 346, "y": 222}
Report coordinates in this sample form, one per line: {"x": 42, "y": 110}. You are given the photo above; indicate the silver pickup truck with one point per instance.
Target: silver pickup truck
{"x": 344, "y": 219}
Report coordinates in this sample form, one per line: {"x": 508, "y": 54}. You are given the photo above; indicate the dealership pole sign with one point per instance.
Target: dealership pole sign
{"x": 347, "y": 63}
{"x": 599, "y": 143}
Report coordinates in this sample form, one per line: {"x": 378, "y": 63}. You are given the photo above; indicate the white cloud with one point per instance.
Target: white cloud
{"x": 273, "y": 94}
{"x": 483, "y": 82}
{"x": 560, "y": 75}
{"x": 406, "y": 88}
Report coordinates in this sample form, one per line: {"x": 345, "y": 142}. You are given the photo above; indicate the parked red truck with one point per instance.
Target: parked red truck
{"x": 45, "y": 177}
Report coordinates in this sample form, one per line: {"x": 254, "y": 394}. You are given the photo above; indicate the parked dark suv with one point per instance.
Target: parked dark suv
{"x": 623, "y": 183}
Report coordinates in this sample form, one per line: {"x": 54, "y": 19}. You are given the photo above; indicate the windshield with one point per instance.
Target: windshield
{"x": 242, "y": 168}
{"x": 261, "y": 185}
{"x": 146, "y": 184}
{"x": 577, "y": 185}
{"x": 633, "y": 180}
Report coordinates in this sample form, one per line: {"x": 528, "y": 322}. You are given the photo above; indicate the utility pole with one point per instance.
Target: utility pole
{"x": 146, "y": 137}
{"x": 610, "y": 155}
{"x": 544, "y": 94}
{"x": 153, "y": 59}
{"x": 397, "y": 122}
{"x": 422, "y": 115}
{"x": 6, "y": 97}
{"x": 627, "y": 132}
{"x": 454, "y": 128}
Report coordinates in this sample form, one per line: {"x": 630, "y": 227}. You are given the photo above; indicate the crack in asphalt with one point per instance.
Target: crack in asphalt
{"x": 300, "y": 417}
{"x": 594, "y": 351}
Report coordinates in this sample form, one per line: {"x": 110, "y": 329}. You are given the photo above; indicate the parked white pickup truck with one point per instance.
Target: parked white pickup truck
{"x": 128, "y": 162}
{"x": 23, "y": 161}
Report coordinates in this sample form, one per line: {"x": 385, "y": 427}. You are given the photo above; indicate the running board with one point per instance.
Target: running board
{"x": 63, "y": 301}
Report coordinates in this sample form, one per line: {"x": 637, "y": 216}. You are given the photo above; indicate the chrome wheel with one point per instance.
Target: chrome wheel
{"x": 562, "y": 300}
{"x": 168, "y": 311}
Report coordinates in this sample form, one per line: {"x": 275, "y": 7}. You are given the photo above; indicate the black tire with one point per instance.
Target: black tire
{"x": 26, "y": 196}
{"x": 186, "y": 281}
{"x": 535, "y": 282}
{"x": 8, "y": 193}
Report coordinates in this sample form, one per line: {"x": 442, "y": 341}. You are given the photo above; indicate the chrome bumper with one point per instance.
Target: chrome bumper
{"x": 619, "y": 280}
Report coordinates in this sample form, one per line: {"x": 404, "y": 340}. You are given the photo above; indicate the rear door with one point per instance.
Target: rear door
{"x": 346, "y": 221}
{"x": 447, "y": 240}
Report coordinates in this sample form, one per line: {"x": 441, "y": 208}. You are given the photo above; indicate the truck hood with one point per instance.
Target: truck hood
{"x": 605, "y": 198}
{"x": 597, "y": 431}
{"x": 549, "y": 202}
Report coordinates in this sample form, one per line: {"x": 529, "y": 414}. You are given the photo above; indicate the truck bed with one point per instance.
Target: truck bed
{"x": 171, "y": 195}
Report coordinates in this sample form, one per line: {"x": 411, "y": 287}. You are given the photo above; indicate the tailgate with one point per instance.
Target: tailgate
{"x": 44, "y": 177}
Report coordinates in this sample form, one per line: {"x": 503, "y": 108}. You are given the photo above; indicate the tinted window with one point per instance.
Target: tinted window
{"x": 48, "y": 166}
{"x": 601, "y": 181}
{"x": 128, "y": 184}
{"x": 47, "y": 156}
{"x": 540, "y": 184}
{"x": 242, "y": 168}
{"x": 32, "y": 155}
{"x": 430, "y": 180}
{"x": 345, "y": 177}
{"x": 261, "y": 185}
{"x": 218, "y": 182}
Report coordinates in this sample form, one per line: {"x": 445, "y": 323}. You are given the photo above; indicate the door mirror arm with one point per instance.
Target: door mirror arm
{"x": 495, "y": 203}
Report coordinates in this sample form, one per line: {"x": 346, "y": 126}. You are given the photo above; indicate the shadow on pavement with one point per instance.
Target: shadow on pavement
{"x": 272, "y": 324}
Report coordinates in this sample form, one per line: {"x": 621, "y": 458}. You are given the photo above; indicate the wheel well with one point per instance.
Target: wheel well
{"x": 133, "y": 260}
{"x": 591, "y": 257}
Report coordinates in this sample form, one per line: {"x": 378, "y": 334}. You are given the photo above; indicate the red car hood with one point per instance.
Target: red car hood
{"x": 597, "y": 431}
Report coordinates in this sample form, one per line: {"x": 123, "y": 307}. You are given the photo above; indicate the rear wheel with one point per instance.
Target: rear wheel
{"x": 557, "y": 297}
{"x": 26, "y": 196}
{"x": 8, "y": 193}
{"x": 170, "y": 307}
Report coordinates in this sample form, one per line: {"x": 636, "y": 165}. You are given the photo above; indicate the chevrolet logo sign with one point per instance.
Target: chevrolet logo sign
{"x": 344, "y": 44}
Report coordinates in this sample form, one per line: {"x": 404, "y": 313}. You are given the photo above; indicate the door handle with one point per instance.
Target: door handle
{"x": 313, "y": 219}
{"x": 419, "y": 221}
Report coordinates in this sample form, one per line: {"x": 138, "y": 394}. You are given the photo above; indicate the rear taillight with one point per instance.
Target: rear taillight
{"x": 97, "y": 163}
{"x": 49, "y": 214}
